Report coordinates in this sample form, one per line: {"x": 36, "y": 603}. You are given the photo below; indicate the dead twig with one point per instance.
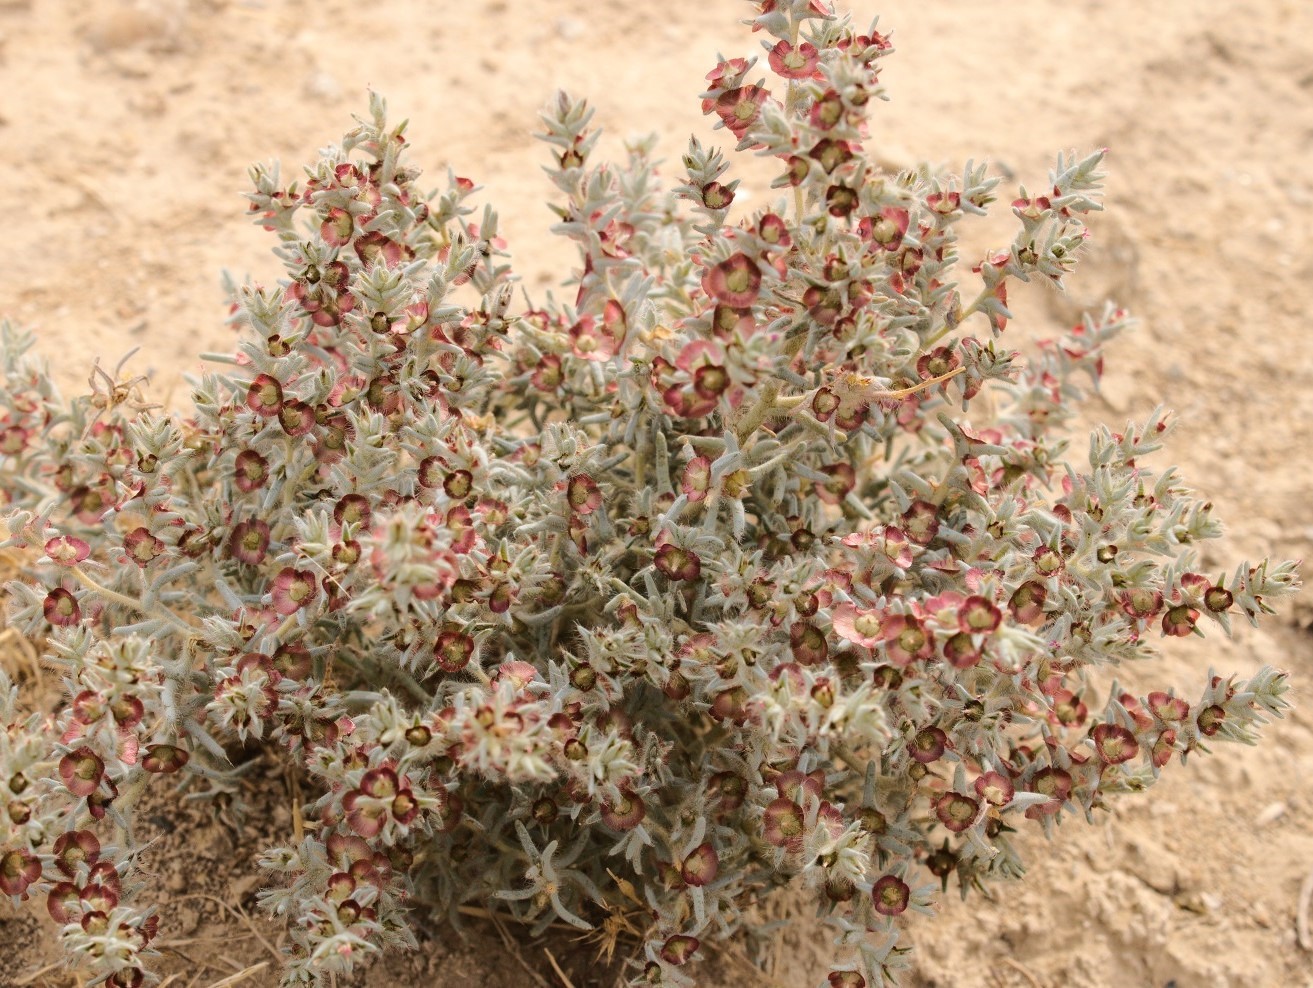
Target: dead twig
{"x": 240, "y": 976}
{"x": 195, "y": 964}
{"x": 479, "y": 912}
{"x": 557, "y": 968}
{"x": 190, "y": 941}
{"x": 31, "y": 978}
{"x": 514, "y": 951}
{"x": 1024, "y": 972}
{"x": 24, "y": 648}
{"x": 291, "y": 780}
{"x": 1301, "y": 913}
{"x": 736, "y": 956}
{"x": 240, "y": 915}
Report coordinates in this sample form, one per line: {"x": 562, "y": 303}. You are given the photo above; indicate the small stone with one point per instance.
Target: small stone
{"x": 569, "y": 28}
{"x": 1270, "y": 814}
{"x": 1154, "y": 865}
{"x": 322, "y": 86}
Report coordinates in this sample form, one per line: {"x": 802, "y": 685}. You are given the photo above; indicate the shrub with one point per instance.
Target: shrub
{"x": 620, "y": 611}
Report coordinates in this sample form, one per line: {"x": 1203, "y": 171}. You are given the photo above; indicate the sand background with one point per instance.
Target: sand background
{"x": 125, "y": 133}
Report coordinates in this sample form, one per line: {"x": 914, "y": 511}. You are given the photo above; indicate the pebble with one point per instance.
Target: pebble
{"x": 569, "y": 28}
{"x": 1270, "y": 813}
{"x": 322, "y": 86}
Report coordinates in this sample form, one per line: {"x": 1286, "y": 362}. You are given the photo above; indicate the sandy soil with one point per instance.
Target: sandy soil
{"x": 125, "y": 132}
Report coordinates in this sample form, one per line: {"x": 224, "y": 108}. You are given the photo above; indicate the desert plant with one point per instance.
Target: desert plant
{"x": 625, "y": 610}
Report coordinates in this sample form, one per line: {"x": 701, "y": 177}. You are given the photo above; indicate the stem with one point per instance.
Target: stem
{"x": 114, "y": 596}
{"x": 123, "y": 809}
{"x": 711, "y": 510}
{"x": 771, "y": 401}
{"x": 969, "y": 311}
{"x": 290, "y": 486}
{"x": 913, "y": 389}
{"x": 770, "y": 391}
{"x": 847, "y": 756}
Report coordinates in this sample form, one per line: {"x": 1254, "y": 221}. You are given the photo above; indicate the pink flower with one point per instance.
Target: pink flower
{"x": 458, "y": 484}
{"x": 353, "y": 510}
{"x": 250, "y": 471}
{"x": 842, "y": 480}
{"x": 995, "y": 789}
{"x": 831, "y": 153}
{"x": 249, "y": 542}
{"x": 695, "y": 481}
{"x": 74, "y": 848}
{"x": 1054, "y": 783}
{"x": 978, "y": 615}
{"x": 928, "y": 745}
{"x": 431, "y": 472}
{"x": 921, "y": 522}
{"x": 728, "y": 73}
{"x": 292, "y": 590}
{"x": 81, "y": 771}
{"x": 296, "y": 417}
{"x": 861, "y": 627}
{"x": 1161, "y": 752}
{"x": 731, "y": 705}
{"x": 1167, "y": 707}
{"x": 735, "y": 281}
{"x": 1141, "y": 602}
{"x": 772, "y": 229}
{"x": 1115, "y": 744}
{"x": 794, "y": 63}
{"x": 886, "y": 230}
{"x": 61, "y": 608}
{"x": 717, "y": 196}
{"x": 827, "y": 111}
{"x": 1027, "y": 602}
{"x": 1218, "y": 599}
{"x": 890, "y": 895}
{"x": 677, "y": 563}
{"x": 783, "y": 824}
{"x": 907, "y": 640}
{"x": 164, "y": 759}
{"x": 142, "y": 547}
{"x": 13, "y": 440}
{"x": 19, "y": 868}
{"x": 66, "y": 550}
{"x": 956, "y": 812}
{"x": 453, "y": 650}
{"x": 337, "y": 227}
{"x": 625, "y": 813}
{"x": 961, "y": 651}
{"x": 944, "y": 202}
{"x": 679, "y": 949}
{"x": 265, "y": 396}
{"x": 808, "y": 643}
{"x": 701, "y": 866}
{"x": 583, "y": 494}
{"x": 1210, "y": 720}
{"x": 547, "y": 376}
{"x": 374, "y": 247}
{"x": 1179, "y": 621}
{"x": 365, "y": 816}
{"x": 591, "y": 342}
{"x": 846, "y": 979}
{"x": 739, "y": 108}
